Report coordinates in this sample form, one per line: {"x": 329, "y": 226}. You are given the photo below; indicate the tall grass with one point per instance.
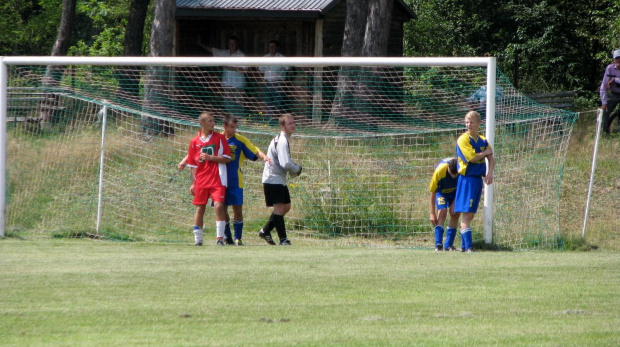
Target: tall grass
{"x": 603, "y": 227}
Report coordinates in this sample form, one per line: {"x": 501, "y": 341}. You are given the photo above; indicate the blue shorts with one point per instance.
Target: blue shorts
{"x": 443, "y": 201}
{"x": 234, "y": 196}
{"x": 468, "y": 193}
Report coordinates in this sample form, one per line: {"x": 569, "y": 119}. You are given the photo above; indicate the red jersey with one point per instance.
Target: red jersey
{"x": 208, "y": 173}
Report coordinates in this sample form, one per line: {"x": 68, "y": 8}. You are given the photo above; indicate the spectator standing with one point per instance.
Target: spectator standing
{"x": 610, "y": 91}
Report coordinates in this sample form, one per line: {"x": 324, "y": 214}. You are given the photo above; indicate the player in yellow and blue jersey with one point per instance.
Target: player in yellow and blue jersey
{"x": 443, "y": 191}
{"x": 240, "y": 150}
{"x": 471, "y": 150}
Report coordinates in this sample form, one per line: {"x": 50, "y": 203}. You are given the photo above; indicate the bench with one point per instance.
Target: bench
{"x": 564, "y": 100}
{"x": 32, "y": 107}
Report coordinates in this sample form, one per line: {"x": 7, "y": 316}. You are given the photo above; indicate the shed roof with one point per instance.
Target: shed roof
{"x": 252, "y": 8}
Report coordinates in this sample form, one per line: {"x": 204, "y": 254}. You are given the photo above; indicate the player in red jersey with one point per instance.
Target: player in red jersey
{"x": 207, "y": 157}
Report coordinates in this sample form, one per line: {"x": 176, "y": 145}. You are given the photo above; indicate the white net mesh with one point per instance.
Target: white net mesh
{"x": 368, "y": 139}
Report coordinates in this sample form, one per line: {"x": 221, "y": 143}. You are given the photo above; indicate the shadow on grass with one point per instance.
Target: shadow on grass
{"x": 579, "y": 244}
{"x": 483, "y": 246}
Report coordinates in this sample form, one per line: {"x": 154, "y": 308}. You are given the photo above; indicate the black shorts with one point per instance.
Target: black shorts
{"x": 276, "y": 194}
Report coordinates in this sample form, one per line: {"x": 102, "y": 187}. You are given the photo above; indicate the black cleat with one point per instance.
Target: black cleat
{"x": 266, "y": 237}
{"x": 285, "y": 242}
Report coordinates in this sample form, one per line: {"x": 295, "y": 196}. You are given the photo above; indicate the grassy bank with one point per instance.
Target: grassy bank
{"x": 603, "y": 225}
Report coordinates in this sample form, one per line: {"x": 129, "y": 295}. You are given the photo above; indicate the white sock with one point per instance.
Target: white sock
{"x": 220, "y": 225}
{"x": 197, "y": 234}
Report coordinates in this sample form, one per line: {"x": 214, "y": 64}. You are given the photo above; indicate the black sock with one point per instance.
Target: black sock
{"x": 269, "y": 226}
{"x": 278, "y": 221}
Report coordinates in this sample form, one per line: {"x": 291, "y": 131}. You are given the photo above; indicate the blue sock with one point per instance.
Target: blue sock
{"x": 450, "y": 236}
{"x": 466, "y": 238}
{"x": 227, "y": 231}
{"x": 238, "y": 226}
{"x": 438, "y": 235}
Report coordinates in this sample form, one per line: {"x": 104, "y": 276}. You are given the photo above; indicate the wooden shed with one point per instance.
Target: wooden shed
{"x": 303, "y": 27}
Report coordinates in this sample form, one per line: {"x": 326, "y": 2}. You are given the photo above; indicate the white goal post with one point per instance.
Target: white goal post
{"x": 316, "y": 63}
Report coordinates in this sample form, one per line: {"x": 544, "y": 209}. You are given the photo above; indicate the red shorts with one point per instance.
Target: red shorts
{"x": 201, "y": 195}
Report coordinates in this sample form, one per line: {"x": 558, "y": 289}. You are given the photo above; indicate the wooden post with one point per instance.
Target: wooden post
{"x": 317, "y": 99}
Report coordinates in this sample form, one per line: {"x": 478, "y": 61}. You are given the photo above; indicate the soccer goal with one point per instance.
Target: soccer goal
{"x": 90, "y": 146}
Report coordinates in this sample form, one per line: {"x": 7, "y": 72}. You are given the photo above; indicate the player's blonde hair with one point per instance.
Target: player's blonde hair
{"x": 284, "y": 117}
{"x": 473, "y": 115}
{"x": 205, "y": 115}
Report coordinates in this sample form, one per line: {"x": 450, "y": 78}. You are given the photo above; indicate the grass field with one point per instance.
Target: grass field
{"x": 59, "y": 292}
{"x": 71, "y": 292}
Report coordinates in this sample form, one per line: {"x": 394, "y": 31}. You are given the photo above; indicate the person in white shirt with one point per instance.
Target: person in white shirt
{"x": 233, "y": 77}
{"x": 274, "y": 78}
{"x": 274, "y": 181}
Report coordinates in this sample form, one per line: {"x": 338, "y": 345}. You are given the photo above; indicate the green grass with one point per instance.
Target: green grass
{"x": 603, "y": 218}
{"x": 88, "y": 293}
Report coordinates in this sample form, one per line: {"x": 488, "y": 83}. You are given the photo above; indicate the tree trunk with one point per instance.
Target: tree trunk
{"x": 354, "y": 28}
{"x": 157, "y": 81}
{"x": 50, "y": 103}
{"x": 63, "y": 38}
{"x": 134, "y": 37}
{"x": 378, "y": 28}
{"x": 65, "y": 29}
{"x": 162, "y": 29}
{"x": 352, "y": 43}
{"x": 134, "y": 32}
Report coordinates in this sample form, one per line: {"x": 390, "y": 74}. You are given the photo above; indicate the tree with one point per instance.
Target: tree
{"x": 65, "y": 29}
{"x": 540, "y": 45}
{"x": 134, "y": 37}
{"x": 157, "y": 76}
{"x": 49, "y": 104}
{"x": 162, "y": 28}
{"x": 63, "y": 38}
{"x": 354, "y": 28}
{"x": 378, "y": 25}
{"x": 366, "y": 33}
{"x": 134, "y": 32}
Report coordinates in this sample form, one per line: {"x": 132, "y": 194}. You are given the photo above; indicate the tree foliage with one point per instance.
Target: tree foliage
{"x": 541, "y": 45}
{"x": 29, "y": 27}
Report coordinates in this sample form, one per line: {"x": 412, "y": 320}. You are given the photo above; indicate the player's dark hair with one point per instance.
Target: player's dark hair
{"x": 276, "y": 42}
{"x": 234, "y": 38}
{"x": 229, "y": 118}
{"x": 452, "y": 165}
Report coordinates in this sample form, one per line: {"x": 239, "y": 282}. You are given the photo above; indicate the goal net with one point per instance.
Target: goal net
{"x": 92, "y": 146}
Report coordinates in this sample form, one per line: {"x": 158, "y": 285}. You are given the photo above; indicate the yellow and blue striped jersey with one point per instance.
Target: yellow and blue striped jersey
{"x": 441, "y": 181}
{"x": 240, "y": 149}
{"x": 466, "y": 149}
